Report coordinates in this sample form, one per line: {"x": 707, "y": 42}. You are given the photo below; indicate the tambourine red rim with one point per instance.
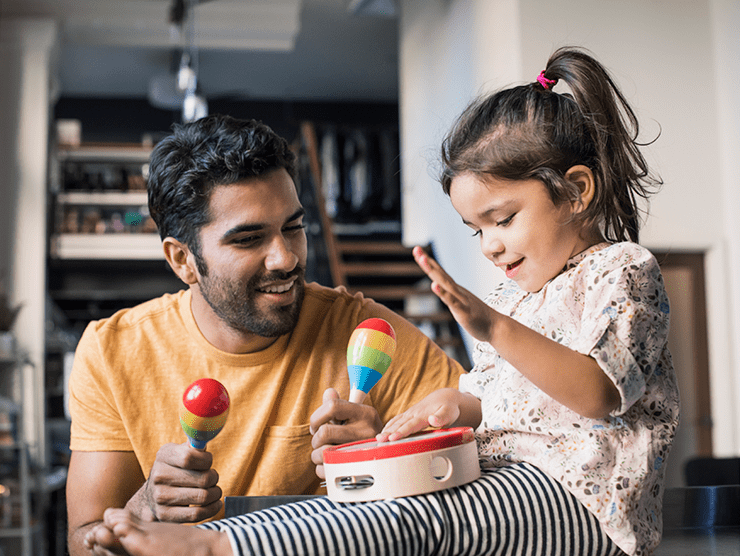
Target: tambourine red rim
{"x": 425, "y": 441}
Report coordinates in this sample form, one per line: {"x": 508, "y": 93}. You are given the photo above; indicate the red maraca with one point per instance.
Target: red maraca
{"x": 205, "y": 406}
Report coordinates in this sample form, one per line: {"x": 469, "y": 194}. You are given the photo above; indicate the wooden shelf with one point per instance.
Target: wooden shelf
{"x": 105, "y": 153}
{"x": 108, "y": 198}
{"x": 107, "y": 246}
{"x": 373, "y": 248}
{"x": 382, "y": 268}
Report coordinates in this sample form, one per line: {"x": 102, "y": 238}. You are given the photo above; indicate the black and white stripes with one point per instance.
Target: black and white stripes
{"x": 510, "y": 511}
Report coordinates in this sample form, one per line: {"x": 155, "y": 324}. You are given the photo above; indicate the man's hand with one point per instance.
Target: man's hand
{"x": 182, "y": 487}
{"x": 338, "y": 421}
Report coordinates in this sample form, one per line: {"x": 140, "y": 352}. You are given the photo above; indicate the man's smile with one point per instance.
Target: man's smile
{"x": 277, "y": 288}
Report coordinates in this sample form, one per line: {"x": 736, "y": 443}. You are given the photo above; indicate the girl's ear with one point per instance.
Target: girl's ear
{"x": 180, "y": 259}
{"x": 583, "y": 177}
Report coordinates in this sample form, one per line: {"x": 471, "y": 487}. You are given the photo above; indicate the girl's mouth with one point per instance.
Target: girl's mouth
{"x": 513, "y": 268}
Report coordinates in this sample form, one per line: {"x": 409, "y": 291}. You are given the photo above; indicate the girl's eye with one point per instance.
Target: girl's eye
{"x": 506, "y": 221}
{"x": 476, "y": 233}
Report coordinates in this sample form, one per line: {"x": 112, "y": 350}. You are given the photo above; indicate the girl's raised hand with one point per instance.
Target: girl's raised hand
{"x": 470, "y": 311}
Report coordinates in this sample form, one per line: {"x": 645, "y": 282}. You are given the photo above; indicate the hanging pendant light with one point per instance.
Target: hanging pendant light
{"x": 194, "y": 105}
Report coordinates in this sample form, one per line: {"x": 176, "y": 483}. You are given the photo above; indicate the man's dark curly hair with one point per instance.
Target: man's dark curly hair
{"x": 187, "y": 165}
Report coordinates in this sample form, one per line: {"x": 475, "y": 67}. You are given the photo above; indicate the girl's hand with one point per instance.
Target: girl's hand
{"x": 470, "y": 311}
{"x": 441, "y": 408}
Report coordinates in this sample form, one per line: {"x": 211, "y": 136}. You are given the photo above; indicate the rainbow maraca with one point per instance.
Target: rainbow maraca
{"x": 205, "y": 406}
{"x": 369, "y": 355}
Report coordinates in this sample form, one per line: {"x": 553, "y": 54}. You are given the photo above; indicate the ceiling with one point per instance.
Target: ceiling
{"x": 250, "y": 49}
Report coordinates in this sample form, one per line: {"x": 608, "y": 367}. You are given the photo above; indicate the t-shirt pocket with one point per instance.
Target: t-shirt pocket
{"x": 285, "y": 466}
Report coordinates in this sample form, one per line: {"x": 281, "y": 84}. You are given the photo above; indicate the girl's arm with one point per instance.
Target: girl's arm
{"x": 571, "y": 378}
{"x": 447, "y": 407}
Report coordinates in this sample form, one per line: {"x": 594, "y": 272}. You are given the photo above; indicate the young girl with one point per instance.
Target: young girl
{"x": 573, "y": 393}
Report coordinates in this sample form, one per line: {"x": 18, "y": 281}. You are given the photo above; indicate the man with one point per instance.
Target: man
{"x": 222, "y": 194}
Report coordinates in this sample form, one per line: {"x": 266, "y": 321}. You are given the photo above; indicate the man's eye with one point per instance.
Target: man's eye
{"x": 506, "y": 221}
{"x": 246, "y": 240}
{"x": 295, "y": 228}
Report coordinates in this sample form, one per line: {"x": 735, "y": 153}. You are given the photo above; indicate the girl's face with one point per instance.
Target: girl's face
{"x": 520, "y": 229}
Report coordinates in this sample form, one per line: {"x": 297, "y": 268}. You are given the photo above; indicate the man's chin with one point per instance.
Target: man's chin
{"x": 279, "y": 322}
{"x": 274, "y": 328}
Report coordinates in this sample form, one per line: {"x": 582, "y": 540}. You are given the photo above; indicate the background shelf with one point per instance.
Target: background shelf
{"x": 107, "y": 246}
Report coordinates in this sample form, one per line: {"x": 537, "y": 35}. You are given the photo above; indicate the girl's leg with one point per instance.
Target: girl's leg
{"x": 284, "y": 512}
{"x": 510, "y": 511}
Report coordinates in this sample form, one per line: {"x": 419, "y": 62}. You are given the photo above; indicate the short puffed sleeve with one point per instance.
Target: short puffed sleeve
{"x": 486, "y": 360}
{"x": 625, "y": 317}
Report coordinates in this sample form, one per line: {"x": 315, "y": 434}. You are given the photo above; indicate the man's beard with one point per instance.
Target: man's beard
{"x": 236, "y": 306}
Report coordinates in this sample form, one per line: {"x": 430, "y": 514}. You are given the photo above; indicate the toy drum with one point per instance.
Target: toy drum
{"x": 422, "y": 463}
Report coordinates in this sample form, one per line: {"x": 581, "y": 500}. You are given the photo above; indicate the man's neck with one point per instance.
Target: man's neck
{"x": 219, "y": 334}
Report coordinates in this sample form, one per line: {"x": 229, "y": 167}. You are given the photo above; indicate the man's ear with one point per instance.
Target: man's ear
{"x": 181, "y": 260}
{"x": 583, "y": 177}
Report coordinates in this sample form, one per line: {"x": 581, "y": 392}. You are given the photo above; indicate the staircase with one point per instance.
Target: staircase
{"x": 376, "y": 263}
{"x": 385, "y": 270}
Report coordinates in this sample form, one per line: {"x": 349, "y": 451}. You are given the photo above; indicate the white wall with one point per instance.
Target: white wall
{"x": 674, "y": 61}
{"x": 27, "y": 48}
{"x": 726, "y": 22}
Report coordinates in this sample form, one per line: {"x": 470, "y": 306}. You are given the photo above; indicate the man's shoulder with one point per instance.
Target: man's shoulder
{"x": 164, "y": 307}
{"x": 318, "y": 296}
{"x": 322, "y": 301}
{"x": 338, "y": 309}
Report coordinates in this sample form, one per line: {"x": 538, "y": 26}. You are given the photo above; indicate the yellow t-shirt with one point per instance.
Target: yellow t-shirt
{"x": 130, "y": 372}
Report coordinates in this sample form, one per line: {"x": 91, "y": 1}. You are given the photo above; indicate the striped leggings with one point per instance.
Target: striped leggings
{"x": 509, "y": 511}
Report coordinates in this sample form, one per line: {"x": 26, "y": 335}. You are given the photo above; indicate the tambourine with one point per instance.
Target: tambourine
{"x": 422, "y": 463}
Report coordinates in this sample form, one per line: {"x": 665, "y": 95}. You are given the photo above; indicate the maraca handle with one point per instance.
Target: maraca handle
{"x": 197, "y": 444}
{"x": 357, "y": 396}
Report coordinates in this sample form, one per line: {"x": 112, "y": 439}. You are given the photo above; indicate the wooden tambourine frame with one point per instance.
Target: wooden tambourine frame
{"x": 422, "y": 463}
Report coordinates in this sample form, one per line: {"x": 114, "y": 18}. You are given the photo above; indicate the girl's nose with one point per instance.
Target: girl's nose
{"x": 280, "y": 256}
{"x": 491, "y": 246}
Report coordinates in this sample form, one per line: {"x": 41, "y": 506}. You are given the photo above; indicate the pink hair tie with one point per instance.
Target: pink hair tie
{"x": 546, "y": 83}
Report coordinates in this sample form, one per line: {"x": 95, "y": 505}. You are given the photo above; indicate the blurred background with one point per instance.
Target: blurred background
{"x": 364, "y": 90}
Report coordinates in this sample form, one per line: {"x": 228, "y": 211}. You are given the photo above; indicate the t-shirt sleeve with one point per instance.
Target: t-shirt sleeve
{"x": 96, "y": 422}
{"x": 625, "y": 319}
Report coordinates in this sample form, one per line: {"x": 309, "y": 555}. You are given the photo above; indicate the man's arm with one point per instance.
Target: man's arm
{"x": 181, "y": 487}
{"x": 96, "y": 481}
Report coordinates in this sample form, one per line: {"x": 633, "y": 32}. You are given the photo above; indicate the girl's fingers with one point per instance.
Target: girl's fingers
{"x": 402, "y": 425}
{"x": 426, "y": 263}
{"x": 429, "y": 265}
{"x": 442, "y": 283}
{"x": 409, "y": 427}
{"x": 455, "y": 299}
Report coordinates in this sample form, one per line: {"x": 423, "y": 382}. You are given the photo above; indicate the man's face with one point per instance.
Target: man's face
{"x": 254, "y": 250}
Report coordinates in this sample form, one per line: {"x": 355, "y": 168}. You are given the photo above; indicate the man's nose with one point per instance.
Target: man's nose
{"x": 280, "y": 256}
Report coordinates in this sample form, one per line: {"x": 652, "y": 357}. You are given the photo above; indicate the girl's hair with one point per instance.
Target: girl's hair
{"x": 531, "y": 132}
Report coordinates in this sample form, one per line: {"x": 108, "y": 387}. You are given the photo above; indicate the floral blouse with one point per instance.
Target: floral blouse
{"x": 608, "y": 303}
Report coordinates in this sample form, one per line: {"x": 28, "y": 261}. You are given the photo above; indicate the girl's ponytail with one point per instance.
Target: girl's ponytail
{"x": 622, "y": 171}
{"x": 532, "y": 131}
